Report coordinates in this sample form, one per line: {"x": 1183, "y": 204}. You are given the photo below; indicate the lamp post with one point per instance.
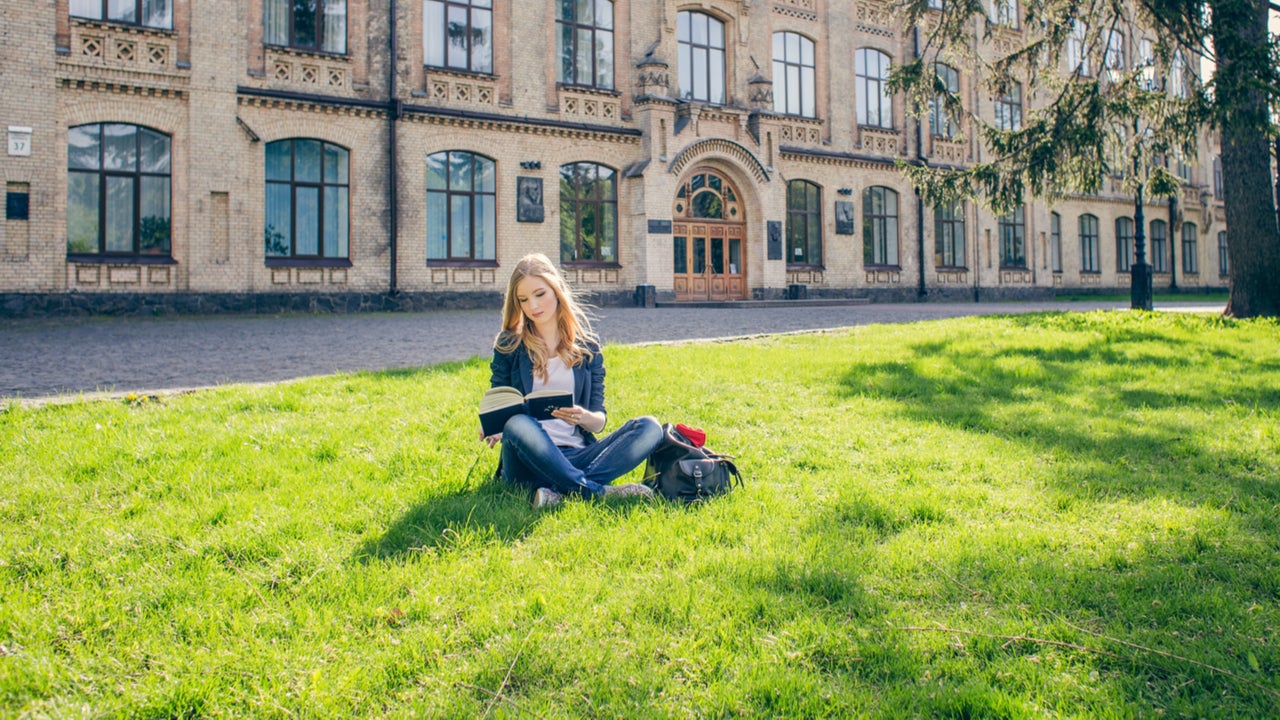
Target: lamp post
{"x": 1140, "y": 272}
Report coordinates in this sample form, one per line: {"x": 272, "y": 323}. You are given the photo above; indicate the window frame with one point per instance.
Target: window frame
{"x": 868, "y": 87}
{"x": 291, "y": 41}
{"x": 684, "y": 41}
{"x": 571, "y": 206}
{"x": 471, "y": 8}
{"x": 938, "y": 109}
{"x": 293, "y": 256}
{"x": 574, "y": 27}
{"x": 1008, "y": 109}
{"x": 1190, "y": 248}
{"x": 1077, "y": 49}
{"x": 105, "y": 7}
{"x": 1159, "y": 249}
{"x": 881, "y": 248}
{"x": 472, "y": 194}
{"x": 1090, "y": 260}
{"x": 1224, "y": 259}
{"x": 807, "y": 102}
{"x": 1055, "y": 242}
{"x": 1124, "y": 244}
{"x": 1005, "y": 13}
{"x": 947, "y": 241}
{"x": 136, "y": 175}
{"x": 1012, "y": 231}
{"x": 811, "y": 217}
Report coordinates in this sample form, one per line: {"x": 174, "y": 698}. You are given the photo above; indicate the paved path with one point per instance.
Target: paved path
{"x": 42, "y": 358}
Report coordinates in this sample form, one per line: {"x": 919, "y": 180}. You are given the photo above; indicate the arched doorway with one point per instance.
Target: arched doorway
{"x": 709, "y": 234}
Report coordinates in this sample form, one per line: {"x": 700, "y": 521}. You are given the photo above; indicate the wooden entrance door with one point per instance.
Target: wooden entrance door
{"x": 708, "y": 261}
{"x": 709, "y": 239}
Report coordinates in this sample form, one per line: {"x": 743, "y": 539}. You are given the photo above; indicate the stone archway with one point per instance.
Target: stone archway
{"x": 709, "y": 238}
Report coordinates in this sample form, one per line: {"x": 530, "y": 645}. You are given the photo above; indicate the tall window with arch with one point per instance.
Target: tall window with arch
{"x": 307, "y": 204}
{"x": 1089, "y": 252}
{"x": 1159, "y": 246}
{"x": 880, "y": 227}
{"x": 458, "y": 34}
{"x": 461, "y": 207}
{"x": 700, "y": 39}
{"x": 311, "y": 25}
{"x": 588, "y": 213}
{"x": 118, "y": 190}
{"x": 584, "y": 42}
{"x": 942, "y": 123}
{"x": 1005, "y": 12}
{"x": 793, "y": 75}
{"x": 804, "y": 223}
{"x": 1124, "y": 244}
{"x": 948, "y": 236}
{"x": 1013, "y": 246}
{"x": 1190, "y": 249}
{"x": 1009, "y": 109}
{"x": 1222, "y": 253}
{"x": 1055, "y": 242}
{"x": 875, "y": 104}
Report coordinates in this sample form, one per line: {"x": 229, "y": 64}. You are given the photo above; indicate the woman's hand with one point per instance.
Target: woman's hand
{"x": 491, "y": 439}
{"x": 579, "y": 416}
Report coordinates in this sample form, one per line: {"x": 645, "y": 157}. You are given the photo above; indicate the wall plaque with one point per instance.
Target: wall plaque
{"x": 529, "y": 199}
{"x": 659, "y": 227}
{"x": 844, "y": 217}
{"x": 775, "y": 240}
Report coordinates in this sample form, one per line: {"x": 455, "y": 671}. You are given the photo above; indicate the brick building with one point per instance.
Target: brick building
{"x": 254, "y": 153}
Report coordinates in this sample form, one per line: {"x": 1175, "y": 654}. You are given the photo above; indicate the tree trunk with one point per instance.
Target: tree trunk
{"x": 1253, "y": 240}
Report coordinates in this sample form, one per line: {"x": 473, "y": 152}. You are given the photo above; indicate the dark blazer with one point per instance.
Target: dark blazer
{"x": 515, "y": 369}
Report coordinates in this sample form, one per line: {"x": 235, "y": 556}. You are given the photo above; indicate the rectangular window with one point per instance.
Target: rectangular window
{"x": 1190, "y": 263}
{"x": 1055, "y": 241}
{"x": 147, "y": 13}
{"x": 1013, "y": 241}
{"x": 306, "y": 24}
{"x": 1089, "y": 244}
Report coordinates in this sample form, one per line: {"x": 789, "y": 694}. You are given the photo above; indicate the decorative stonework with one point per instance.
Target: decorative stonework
{"x": 880, "y": 142}
{"x": 951, "y": 277}
{"x": 306, "y": 105}
{"x": 591, "y": 276}
{"x": 1015, "y": 277}
{"x": 589, "y": 106}
{"x": 797, "y": 130}
{"x": 132, "y": 59}
{"x": 873, "y": 16}
{"x": 884, "y": 277}
{"x": 1090, "y": 278}
{"x": 718, "y": 146}
{"x": 304, "y": 70}
{"x": 461, "y": 89}
{"x": 806, "y": 277}
{"x": 653, "y": 77}
{"x": 802, "y": 9}
{"x": 949, "y": 151}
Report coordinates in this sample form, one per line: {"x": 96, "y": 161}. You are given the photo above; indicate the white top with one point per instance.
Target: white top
{"x": 560, "y": 378}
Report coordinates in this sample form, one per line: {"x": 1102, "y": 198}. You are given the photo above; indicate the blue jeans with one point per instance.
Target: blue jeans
{"x": 529, "y": 457}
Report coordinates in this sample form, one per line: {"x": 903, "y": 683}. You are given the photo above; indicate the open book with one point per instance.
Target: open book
{"x": 499, "y": 404}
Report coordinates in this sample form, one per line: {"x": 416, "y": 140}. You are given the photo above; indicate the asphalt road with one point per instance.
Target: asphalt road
{"x": 51, "y": 358}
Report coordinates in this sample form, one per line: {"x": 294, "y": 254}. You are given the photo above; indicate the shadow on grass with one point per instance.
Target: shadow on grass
{"x": 1090, "y": 405}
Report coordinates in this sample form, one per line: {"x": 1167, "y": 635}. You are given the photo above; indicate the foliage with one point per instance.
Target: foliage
{"x": 997, "y": 517}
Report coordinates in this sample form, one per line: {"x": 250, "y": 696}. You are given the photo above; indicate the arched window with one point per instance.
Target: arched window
{"x": 588, "y": 213}
{"x": 701, "y": 45}
{"x": 585, "y": 43}
{"x": 1089, "y": 244}
{"x": 1124, "y": 244}
{"x": 804, "y": 223}
{"x": 458, "y": 34}
{"x": 306, "y": 25}
{"x": 118, "y": 191}
{"x": 1013, "y": 251}
{"x": 879, "y": 226}
{"x": 793, "y": 75}
{"x": 1190, "y": 262}
{"x": 707, "y": 196}
{"x": 1159, "y": 246}
{"x": 948, "y": 235}
{"x": 461, "y": 206}
{"x": 1005, "y": 12}
{"x": 1055, "y": 241}
{"x": 1009, "y": 109}
{"x": 942, "y": 124}
{"x": 307, "y": 208}
{"x": 147, "y": 13}
{"x": 875, "y": 105}
{"x": 1222, "y": 253}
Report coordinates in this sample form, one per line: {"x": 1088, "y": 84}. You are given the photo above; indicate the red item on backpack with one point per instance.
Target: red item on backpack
{"x": 697, "y": 436}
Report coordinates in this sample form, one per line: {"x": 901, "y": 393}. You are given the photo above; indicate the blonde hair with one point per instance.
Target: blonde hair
{"x": 576, "y": 336}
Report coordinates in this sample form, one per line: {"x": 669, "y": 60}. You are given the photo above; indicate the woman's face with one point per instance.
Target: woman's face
{"x": 537, "y": 301}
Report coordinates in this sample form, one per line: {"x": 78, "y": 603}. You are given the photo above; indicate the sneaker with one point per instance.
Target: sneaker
{"x": 545, "y": 498}
{"x": 629, "y": 490}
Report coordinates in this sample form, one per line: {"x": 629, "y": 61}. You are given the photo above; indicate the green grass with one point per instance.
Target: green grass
{"x": 1072, "y": 515}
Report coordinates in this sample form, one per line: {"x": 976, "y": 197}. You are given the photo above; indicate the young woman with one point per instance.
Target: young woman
{"x": 546, "y": 342}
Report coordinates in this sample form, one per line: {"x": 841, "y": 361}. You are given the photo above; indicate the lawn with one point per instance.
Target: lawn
{"x": 1072, "y": 515}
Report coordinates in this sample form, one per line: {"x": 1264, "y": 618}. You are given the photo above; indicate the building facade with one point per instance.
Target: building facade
{"x": 374, "y": 153}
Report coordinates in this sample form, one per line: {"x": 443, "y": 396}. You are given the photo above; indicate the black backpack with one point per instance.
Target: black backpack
{"x": 679, "y": 470}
